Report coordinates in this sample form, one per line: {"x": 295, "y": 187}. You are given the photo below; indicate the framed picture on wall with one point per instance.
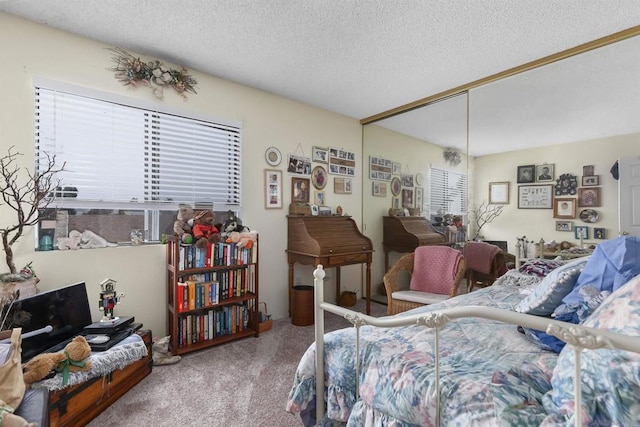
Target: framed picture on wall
{"x": 499, "y": 193}
{"x": 589, "y": 197}
{"x": 535, "y": 196}
{"x": 526, "y": 174}
{"x": 273, "y": 189}
{"x": 564, "y": 208}
{"x": 545, "y": 173}
{"x": 581, "y": 231}
{"x": 300, "y": 190}
{"x": 589, "y": 181}
{"x": 564, "y": 225}
{"x": 599, "y": 233}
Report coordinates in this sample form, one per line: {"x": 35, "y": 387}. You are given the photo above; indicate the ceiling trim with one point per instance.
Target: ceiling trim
{"x": 585, "y": 47}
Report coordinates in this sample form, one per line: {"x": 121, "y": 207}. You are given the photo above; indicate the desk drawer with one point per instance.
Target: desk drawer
{"x": 347, "y": 259}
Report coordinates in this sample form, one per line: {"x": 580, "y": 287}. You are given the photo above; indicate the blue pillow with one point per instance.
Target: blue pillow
{"x": 612, "y": 264}
{"x": 548, "y": 294}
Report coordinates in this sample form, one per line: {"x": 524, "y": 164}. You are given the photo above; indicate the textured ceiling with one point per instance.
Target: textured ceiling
{"x": 354, "y": 57}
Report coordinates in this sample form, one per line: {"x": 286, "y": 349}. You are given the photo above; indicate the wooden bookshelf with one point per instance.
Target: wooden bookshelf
{"x": 212, "y": 294}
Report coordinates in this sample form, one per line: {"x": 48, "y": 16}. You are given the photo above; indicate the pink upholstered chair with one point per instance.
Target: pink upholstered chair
{"x": 436, "y": 273}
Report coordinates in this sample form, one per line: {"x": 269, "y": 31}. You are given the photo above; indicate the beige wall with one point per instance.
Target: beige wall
{"x": 567, "y": 158}
{"x": 30, "y": 50}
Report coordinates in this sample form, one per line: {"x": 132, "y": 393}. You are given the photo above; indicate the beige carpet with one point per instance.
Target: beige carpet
{"x": 242, "y": 383}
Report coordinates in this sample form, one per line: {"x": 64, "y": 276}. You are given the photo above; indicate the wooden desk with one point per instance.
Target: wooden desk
{"x": 406, "y": 233}
{"x": 332, "y": 241}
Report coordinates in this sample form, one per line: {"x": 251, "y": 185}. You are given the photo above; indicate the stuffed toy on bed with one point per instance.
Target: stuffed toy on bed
{"x": 71, "y": 359}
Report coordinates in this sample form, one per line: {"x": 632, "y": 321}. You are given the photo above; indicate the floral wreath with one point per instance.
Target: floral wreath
{"x": 132, "y": 71}
{"x": 452, "y": 156}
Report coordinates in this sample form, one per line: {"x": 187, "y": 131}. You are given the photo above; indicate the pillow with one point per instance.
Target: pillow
{"x": 612, "y": 264}
{"x": 610, "y": 380}
{"x": 548, "y": 295}
{"x": 540, "y": 267}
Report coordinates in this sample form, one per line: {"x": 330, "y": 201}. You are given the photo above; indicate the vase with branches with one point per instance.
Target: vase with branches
{"x": 482, "y": 215}
{"x": 25, "y": 193}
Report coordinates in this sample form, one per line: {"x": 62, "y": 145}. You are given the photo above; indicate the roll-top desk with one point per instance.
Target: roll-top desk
{"x": 332, "y": 241}
{"x": 406, "y": 233}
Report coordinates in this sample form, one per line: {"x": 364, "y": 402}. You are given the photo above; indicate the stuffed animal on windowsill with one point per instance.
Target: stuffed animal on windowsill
{"x": 204, "y": 232}
{"x": 71, "y": 359}
{"x": 183, "y": 225}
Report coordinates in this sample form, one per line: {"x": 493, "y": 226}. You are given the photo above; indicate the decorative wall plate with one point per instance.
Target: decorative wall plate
{"x": 395, "y": 186}
{"x": 273, "y": 156}
{"x": 589, "y": 215}
{"x": 419, "y": 179}
{"x": 319, "y": 177}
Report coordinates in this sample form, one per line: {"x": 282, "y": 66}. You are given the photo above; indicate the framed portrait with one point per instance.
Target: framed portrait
{"x": 581, "y": 231}
{"x": 599, "y": 233}
{"x": 535, "y": 196}
{"x": 300, "y": 190}
{"x": 396, "y": 203}
{"x": 587, "y": 170}
{"x": 407, "y": 180}
{"x": 589, "y": 197}
{"x": 590, "y": 181}
{"x": 407, "y": 198}
{"x": 379, "y": 189}
{"x": 564, "y": 208}
{"x": 545, "y": 173}
{"x": 272, "y": 189}
{"x": 526, "y": 174}
{"x": 319, "y": 177}
{"x": 564, "y": 225}
{"x": 320, "y": 154}
{"x": 397, "y": 168}
{"x": 499, "y": 193}
{"x": 342, "y": 185}
{"x": 319, "y": 198}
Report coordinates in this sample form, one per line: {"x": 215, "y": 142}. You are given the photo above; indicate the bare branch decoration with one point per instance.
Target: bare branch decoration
{"x": 484, "y": 214}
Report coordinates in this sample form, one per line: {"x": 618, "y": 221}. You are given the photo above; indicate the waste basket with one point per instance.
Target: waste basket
{"x": 302, "y": 305}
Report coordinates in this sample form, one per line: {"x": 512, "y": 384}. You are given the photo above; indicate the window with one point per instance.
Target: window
{"x": 448, "y": 193}
{"x": 129, "y": 167}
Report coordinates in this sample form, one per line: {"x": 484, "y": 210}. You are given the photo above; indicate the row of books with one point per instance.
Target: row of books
{"x": 207, "y": 289}
{"x": 218, "y": 254}
{"x": 214, "y": 323}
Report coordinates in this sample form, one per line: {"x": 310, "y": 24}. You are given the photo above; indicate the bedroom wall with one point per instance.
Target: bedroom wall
{"x": 568, "y": 158}
{"x": 31, "y": 50}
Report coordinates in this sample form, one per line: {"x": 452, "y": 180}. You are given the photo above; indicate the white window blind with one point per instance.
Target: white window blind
{"x": 118, "y": 155}
{"x": 448, "y": 192}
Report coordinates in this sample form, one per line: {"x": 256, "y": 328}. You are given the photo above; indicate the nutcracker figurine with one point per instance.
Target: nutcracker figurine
{"x": 108, "y": 299}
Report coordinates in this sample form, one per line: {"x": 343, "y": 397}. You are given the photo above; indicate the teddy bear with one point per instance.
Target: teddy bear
{"x": 204, "y": 232}
{"x": 246, "y": 239}
{"x": 183, "y": 225}
{"x": 71, "y": 359}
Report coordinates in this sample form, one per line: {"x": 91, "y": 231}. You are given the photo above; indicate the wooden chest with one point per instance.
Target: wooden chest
{"x": 79, "y": 404}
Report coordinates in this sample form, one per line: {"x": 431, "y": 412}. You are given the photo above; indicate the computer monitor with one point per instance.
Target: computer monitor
{"x": 55, "y": 316}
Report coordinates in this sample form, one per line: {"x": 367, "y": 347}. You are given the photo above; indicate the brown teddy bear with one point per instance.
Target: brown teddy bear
{"x": 9, "y": 419}
{"x": 182, "y": 227}
{"x": 71, "y": 359}
{"x": 203, "y": 229}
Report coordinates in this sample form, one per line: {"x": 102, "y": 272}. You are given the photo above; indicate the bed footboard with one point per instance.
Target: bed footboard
{"x": 580, "y": 337}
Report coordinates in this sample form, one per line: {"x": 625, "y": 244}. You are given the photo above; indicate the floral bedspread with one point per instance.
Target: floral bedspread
{"x": 490, "y": 374}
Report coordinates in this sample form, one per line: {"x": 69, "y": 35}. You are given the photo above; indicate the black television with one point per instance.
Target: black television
{"x": 55, "y": 316}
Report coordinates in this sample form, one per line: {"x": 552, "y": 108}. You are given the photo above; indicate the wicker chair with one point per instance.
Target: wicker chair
{"x": 391, "y": 285}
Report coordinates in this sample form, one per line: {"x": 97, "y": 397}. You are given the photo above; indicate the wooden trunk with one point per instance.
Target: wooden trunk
{"x": 79, "y": 404}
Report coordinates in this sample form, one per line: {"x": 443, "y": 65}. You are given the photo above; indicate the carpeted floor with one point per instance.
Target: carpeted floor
{"x": 242, "y": 383}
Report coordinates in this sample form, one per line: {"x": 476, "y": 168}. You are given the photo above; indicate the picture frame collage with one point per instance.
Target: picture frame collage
{"x": 570, "y": 198}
